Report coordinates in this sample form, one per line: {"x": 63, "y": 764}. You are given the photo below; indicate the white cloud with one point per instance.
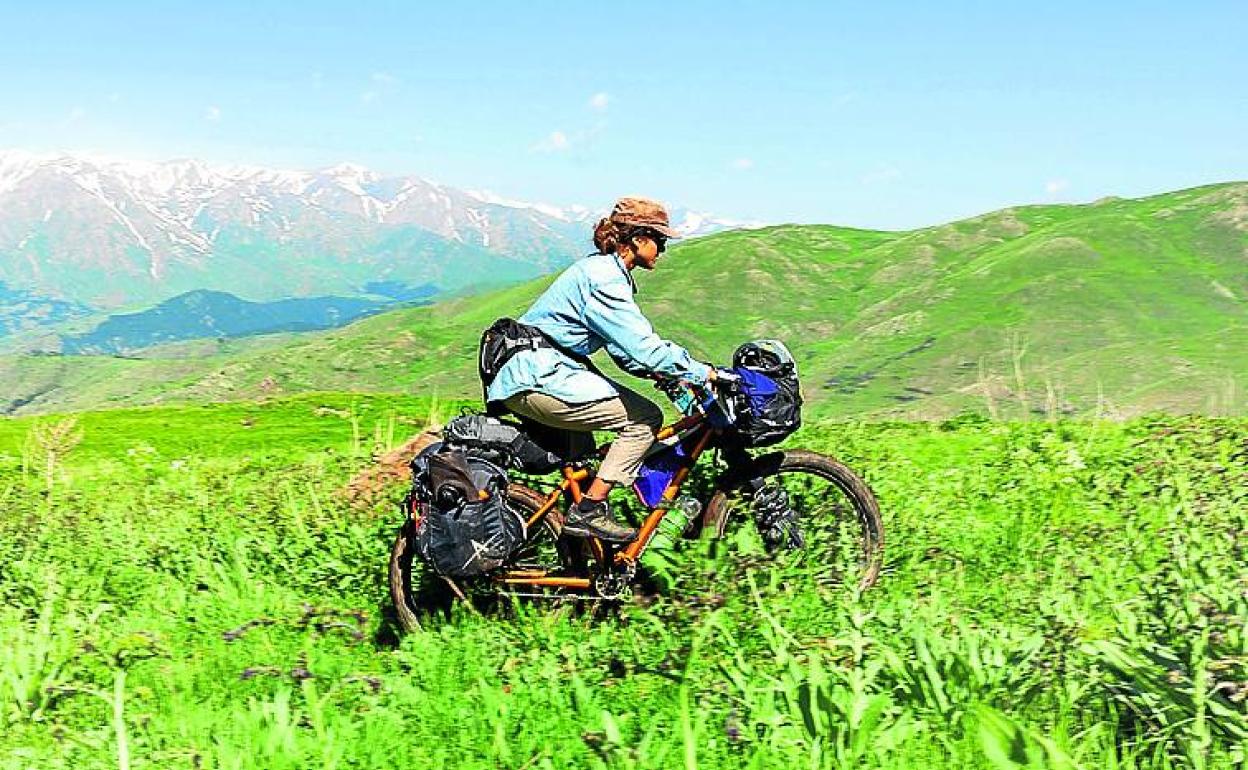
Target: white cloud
{"x": 742, "y": 164}
{"x": 379, "y": 84}
{"x": 1055, "y": 186}
{"x": 599, "y": 101}
{"x": 882, "y": 175}
{"x": 212, "y": 114}
{"x": 556, "y": 141}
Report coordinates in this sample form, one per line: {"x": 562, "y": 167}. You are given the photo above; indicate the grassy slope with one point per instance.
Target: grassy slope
{"x": 1116, "y": 307}
{"x": 192, "y": 547}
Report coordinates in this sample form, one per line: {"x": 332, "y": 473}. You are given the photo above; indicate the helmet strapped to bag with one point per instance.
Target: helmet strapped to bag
{"x": 769, "y": 406}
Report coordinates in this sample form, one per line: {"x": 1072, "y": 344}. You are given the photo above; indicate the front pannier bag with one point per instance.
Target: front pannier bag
{"x": 770, "y": 406}
{"x": 465, "y": 526}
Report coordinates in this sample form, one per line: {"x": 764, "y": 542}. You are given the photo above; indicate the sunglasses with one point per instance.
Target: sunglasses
{"x": 659, "y": 239}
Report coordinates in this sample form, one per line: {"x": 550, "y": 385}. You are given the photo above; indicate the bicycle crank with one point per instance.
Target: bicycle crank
{"x": 616, "y": 583}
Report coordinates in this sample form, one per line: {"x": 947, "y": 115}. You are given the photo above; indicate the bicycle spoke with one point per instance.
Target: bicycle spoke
{"x": 809, "y": 527}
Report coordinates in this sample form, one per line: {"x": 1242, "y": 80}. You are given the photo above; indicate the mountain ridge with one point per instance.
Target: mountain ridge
{"x": 204, "y": 313}
{"x": 120, "y": 235}
{"x": 1108, "y": 309}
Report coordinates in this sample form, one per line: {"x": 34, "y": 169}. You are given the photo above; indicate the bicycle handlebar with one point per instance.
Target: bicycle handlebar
{"x": 705, "y": 397}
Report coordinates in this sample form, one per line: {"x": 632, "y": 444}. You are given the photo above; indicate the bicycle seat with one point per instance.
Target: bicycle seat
{"x": 569, "y": 446}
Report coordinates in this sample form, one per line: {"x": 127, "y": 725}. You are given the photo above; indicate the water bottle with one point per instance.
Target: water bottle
{"x": 680, "y": 512}
{"x": 660, "y": 556}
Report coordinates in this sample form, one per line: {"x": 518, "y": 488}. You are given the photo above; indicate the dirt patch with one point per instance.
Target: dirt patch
{"x": 1222, "y": 290}
{"x": 1235, "y": 216}
{"x": 757, "y": 277}
{"x": 924, "y": 264}
{"x": 372, "y": 484}
{"x": 899, "y": 324}
{"x": 1008, "y": 224}
{"x": 1065, "y": 246}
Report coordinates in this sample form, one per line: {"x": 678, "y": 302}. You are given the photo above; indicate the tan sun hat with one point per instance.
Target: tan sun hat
{"x": 643, "y": 212}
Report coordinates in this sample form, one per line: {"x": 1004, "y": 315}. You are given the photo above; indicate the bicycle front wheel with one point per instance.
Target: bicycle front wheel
{"x": 836, "y": 515}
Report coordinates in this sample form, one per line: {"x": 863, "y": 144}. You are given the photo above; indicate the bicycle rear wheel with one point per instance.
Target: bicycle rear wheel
{"x": 836, "y": 511}
{"x": 419, "y": 593}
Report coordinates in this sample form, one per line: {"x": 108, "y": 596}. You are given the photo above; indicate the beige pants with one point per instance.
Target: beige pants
{"x": 635, "y": 418}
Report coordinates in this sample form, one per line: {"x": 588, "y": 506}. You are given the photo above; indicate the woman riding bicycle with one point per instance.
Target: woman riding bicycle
{"x": 591, "y": 306}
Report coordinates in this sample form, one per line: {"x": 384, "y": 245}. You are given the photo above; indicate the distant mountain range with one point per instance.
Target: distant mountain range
{"x": 21, "y": 310}
{"x": 82, "y": 236}
{"x": 1106, "y": 309}
{"x": 201, "y": 314}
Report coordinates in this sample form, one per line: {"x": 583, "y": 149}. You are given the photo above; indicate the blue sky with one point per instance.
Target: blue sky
{"x": 897, "y": 115}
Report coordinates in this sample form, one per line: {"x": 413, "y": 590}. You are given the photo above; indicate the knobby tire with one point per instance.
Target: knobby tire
{"x": 868, "y": 529}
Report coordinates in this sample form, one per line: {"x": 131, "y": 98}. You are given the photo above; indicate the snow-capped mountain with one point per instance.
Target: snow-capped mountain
{"x": 111, "y": 233}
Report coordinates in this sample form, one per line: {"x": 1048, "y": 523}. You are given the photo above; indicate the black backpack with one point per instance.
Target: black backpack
{"x": 769, "y": 407}
{"x": 505, "y": 338}
{"x": 464, "y": 526}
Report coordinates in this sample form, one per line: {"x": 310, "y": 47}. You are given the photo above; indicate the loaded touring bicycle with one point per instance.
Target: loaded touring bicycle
{"x": 469, "y": 527}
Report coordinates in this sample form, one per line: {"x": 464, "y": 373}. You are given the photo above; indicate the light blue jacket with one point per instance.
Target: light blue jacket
{"x": 588, "y": 307}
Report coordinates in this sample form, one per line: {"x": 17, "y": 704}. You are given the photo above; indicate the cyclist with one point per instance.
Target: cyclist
{"x": 591, "y": 306}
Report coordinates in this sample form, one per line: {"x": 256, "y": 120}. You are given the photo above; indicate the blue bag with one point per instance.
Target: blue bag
{"x": 769, "y": 408}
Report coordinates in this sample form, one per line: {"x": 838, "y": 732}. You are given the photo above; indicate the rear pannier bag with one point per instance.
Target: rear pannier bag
{"x": 770, "y": 406}
{"x": 464, "y": 526}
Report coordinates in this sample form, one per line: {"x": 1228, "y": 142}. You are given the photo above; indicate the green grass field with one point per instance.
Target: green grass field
{"x": 186, "y": 587}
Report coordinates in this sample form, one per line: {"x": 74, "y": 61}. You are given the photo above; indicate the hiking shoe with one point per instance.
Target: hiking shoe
{"x": 596, "y": 521}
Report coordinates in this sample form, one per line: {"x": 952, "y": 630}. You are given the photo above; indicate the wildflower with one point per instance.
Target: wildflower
{"x": 235, "y": 633}
{"x": 300, "y": 673}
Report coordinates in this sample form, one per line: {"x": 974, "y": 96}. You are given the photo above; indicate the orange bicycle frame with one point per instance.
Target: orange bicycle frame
{"x": 570, "y": 487}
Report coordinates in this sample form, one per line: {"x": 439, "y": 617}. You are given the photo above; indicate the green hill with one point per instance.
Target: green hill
{"x": 1111, "y": 308}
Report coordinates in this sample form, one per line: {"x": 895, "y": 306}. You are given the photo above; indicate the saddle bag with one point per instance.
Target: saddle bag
{"x": 464, "y": 526}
